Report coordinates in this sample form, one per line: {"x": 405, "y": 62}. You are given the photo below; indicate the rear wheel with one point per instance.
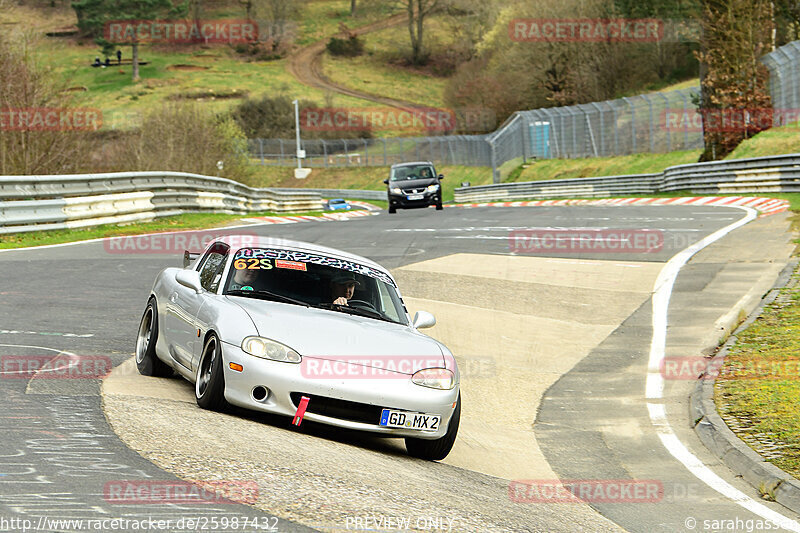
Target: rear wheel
{"x": 147, "y": 361}
{"x": 437, "y": 449}
{"x": 209, "y": 385}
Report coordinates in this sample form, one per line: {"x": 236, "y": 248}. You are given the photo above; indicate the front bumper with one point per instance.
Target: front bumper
{"x": 401, "y": 200}
{"x": 283, "y": 379}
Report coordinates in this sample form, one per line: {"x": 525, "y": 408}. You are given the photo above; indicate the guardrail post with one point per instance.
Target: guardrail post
{"x": 652, "y": 121}
{"x": 261, "y": 149}
{"x": 664, "y": 124}
{"x": 522, "y": 140}
{"x": 493, "y": 155}
{"x": 685, "y": 122}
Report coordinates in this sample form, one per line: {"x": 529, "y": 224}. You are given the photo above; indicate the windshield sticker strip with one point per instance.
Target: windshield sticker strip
{"x": 305, "y": 257}
{"x": 291, "y": 265}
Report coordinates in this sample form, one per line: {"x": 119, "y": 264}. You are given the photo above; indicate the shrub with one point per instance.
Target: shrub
{"x": 184, "y": 137}
{"x": 349, "y": 47}
{"x": 272, "y": 117}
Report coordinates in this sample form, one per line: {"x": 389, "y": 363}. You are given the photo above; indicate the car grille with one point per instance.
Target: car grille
{"x": 413, "y": 191}
{"x": 340, "y": 409}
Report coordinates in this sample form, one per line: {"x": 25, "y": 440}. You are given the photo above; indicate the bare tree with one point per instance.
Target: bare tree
{"x": 277, "y": 15}
{"x": 736, "y": 33}
{"x": 418, "y": 11}
{"x": 28, "y": 91}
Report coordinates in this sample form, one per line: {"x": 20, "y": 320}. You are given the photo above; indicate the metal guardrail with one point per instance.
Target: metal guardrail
{"x": 757, "y": 175}
{"x": 355, "y": 194}
{"x": 33, "y": 203}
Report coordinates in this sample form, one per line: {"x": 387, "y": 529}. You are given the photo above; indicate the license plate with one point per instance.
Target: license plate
{"x": 409, "y": 420}
{"x": 415, "y": 197}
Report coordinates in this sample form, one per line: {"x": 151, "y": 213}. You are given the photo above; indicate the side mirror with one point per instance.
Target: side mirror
{"x": 386, "y": 181}
{"x": 441, "y": 176}
{"x": 188, "y": 257}
{"x": 190, "y": 279}
{"x": 423, "y": 319}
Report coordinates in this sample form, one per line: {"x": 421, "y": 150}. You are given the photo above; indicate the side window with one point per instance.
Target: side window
{"x": 211, "y": 271}
{"x": 386, "y": 305}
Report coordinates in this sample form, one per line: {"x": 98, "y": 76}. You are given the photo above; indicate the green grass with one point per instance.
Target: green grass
{"x": 321, "y": 19}
{"x": 112, "y": 90}
{"x": 759, "y": 385}
{"x": 381, "y": 69}
{"x": 187, "y": 221}
{"x": 218, "y": 69}
{"x": 550, "y": 169}
{"x": 782, "y": 140}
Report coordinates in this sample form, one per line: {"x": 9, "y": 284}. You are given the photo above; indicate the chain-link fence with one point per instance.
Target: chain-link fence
{"x": 784, "y": 80}
{"x": 654, "y": 122}
{"x": 469, "y": 150}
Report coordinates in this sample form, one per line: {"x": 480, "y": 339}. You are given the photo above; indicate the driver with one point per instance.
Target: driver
{"x": 244, "y": 279}
{"x": 343, "y": 286}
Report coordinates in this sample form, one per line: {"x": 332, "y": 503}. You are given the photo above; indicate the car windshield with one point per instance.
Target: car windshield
{"x": 412, "y": 172}
{"x": 314, "y": 280}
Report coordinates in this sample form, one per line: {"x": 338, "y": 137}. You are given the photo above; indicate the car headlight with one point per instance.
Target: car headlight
{"x": 269, "y": 349}
{"x": 396, "y": 190}
{"x": 432, "y": 188}
{"x": 434, "y": 378}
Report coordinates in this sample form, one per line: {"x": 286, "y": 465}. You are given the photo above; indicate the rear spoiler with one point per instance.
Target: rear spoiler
{"x": 188, "y": 257}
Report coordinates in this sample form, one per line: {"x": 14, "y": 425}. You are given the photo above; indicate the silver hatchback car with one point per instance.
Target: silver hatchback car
{"x": 305, "y": 331}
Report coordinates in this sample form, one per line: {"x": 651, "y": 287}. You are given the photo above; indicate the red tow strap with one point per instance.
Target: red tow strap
{"x": 301, "y": 410}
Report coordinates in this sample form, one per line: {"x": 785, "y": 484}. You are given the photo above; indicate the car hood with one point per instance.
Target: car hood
{"x": 413, "y": 184}
{"x": 323, "y": 334}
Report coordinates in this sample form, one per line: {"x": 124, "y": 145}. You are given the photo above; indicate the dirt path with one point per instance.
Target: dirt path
{"x": 306, "y": 66}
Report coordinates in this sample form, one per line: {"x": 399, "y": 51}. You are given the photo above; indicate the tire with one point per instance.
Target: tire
{"x": 436, "y": 450}
{"x": 392, "y": 210}
{"x": 439, "y": 206}
{"x": 147, "y": 361}
{"x": 209, "y": 383}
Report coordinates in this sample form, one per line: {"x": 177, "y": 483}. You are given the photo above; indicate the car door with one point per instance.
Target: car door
{"x": 184, "y": 305}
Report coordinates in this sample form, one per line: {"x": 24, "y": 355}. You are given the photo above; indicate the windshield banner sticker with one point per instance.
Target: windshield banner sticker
{"x": 294, "y": 256}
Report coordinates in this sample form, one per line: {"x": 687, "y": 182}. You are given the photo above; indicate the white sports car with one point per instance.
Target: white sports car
{"x": 305, "y": 331}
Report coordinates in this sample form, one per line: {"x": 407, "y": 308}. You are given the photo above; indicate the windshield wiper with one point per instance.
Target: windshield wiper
{"x": 356, "y": 311}
{"x": 267, "y": 295}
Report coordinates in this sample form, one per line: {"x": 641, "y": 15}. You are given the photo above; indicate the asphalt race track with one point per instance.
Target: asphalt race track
{"x": 553, "y": 346}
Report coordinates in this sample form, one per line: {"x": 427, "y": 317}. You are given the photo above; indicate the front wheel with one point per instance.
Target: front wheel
{"x": 439, "y": 206}
{"x": 209, "y": 384}
{"x": 147, "y": 361}
{"x": 437, "y": 449}
{"x": 392, "y": 210}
